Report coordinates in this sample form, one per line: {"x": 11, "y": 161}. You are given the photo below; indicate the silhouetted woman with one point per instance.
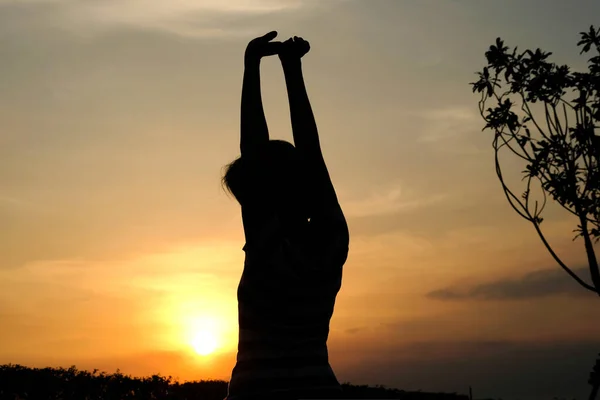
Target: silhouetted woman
{"x": 296, "y": 242}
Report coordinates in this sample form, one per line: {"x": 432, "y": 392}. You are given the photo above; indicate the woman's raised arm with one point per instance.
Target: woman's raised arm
{"x": 253, "y": 124}
{"x": 304, "y": 126}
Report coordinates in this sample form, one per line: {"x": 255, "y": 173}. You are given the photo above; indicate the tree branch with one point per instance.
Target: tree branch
{"x": 559, "y": 261}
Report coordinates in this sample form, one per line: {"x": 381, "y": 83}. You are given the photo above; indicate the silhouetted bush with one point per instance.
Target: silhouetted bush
{"x": 19, "y": 383}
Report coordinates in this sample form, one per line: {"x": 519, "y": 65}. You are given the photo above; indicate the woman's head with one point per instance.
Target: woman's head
{"x": 274, "y": 177}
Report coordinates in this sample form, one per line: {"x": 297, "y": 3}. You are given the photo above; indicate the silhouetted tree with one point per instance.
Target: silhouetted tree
{"x": 549, "y": 117}
{"x": 561, "y": 147}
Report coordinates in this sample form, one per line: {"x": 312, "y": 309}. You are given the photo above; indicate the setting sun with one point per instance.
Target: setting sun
{"x": 205, "y": 343}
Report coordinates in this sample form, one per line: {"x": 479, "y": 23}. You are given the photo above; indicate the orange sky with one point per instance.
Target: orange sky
{"x": 119, "y": 247}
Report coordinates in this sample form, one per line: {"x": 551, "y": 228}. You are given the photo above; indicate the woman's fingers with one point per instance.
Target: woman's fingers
{"x": 305, "y": 46}
{"x": 262, "y": 46}
{"x": 294, "y": 47}
{"x": 269, "y": 36}
{"x": 302, "y": 46}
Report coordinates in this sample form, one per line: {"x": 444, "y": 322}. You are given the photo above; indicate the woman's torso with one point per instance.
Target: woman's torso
{"x": 286, "y": 298}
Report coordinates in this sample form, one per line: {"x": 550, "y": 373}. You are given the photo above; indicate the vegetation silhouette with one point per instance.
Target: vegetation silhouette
{"x": 19, "y": 382}
{"x": 296, "y": 246}
{"x": 561, "y": 148}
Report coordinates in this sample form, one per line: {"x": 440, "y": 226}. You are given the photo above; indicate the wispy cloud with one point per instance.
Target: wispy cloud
{"x": 536, "y": 284}
{"x": 455, "y": 129}
{"x": 31, "y": 2}
{"x": 448, "y": 123}
{"x": 16, "y": 203}
{"x": 389, "y": 200}
{"x": 182, "y": 17}
{"x": 9, "y": 200}
{"x": 173, "y": 7}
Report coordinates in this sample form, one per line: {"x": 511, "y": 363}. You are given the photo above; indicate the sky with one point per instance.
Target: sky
{"x": 120, "y": 250}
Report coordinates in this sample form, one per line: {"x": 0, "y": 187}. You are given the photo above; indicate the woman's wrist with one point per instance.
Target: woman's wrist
{"x": 293, "y": 63}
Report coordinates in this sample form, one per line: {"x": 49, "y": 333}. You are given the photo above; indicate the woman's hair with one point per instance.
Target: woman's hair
{"x": 276, "y": 168}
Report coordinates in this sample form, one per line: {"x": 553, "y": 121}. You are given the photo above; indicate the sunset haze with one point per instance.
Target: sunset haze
{"x": 119, "y": 248}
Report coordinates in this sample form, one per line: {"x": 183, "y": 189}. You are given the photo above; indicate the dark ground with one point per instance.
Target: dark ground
{"x": 18, "y": 382}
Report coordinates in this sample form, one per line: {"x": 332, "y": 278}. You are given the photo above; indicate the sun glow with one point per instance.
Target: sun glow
{"x": 205, "y": 342}
{"x": 206, "y": 335}
{"x": 197, "y": 309}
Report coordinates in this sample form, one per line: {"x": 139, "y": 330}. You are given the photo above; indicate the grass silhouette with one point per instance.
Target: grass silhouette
{"x": 18, "y": 382}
